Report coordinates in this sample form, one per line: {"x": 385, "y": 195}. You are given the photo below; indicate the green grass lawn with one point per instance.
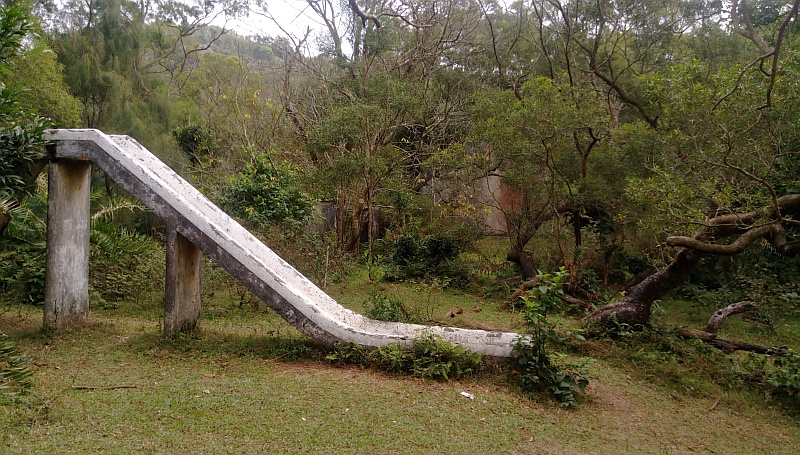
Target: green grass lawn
{"x": 248, "y": 383}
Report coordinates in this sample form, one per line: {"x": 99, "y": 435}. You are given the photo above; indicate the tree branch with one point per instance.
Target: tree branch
{"x": 709, "y": 333}
{"x": 776, "y": 52}
{"x": 111, "y": 387}
{"x": 731, "y": 249}
{"x": 364, "y": 16}
{"x": 716, "y": 320}
{"x": 740, "y": 11}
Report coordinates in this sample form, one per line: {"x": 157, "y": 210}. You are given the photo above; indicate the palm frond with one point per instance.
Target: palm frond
{"x": 15, "y": 372}
{"x": 28, "y": 219}
{"x": 109, "y": 240}
{"x": 107, "y": 212}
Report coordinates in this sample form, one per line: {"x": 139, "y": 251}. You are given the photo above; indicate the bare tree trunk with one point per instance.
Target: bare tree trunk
{"x": 634, "y": 308}
{"x": 523, "y": 259}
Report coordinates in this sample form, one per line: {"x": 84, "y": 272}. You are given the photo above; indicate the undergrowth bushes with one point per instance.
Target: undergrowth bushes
{"x": 538, "y": 368}
{"x": 758, "y": 274}
{"x": 414, "y": 256}
{"x": 124, "y": 264}
{"x": 388, "y": 308}
{"x": 535, "y": 368}
{"x": 429, "y": 357}
{"x": 696, "y": 368}
{"x": 777, "y": 375}
{"x": 782, "y": 378}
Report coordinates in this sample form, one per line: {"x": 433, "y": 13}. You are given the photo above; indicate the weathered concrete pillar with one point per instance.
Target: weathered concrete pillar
{"x": 182, "y": 296}
{"x": 66, "y": 295}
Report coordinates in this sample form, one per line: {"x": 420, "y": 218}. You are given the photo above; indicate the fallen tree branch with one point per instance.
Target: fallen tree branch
{"x": 572, "y": 300}
{"x": 727, "y": 346}
{"x": 524, "y": 288}
{"x": 709, "y": 333}
{"x": 716, "y": 403}
{"x": 111, "y": 387}
{"x": 716, "y": 320}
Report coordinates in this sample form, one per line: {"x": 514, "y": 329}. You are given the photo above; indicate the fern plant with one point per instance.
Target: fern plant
{"x": 15, "y": 373}
{"x": 122, "y": 263}
{"x": 22, "y": 251}
{"x": 121, "y": 260}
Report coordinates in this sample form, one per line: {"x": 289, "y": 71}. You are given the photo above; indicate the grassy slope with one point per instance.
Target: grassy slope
{"x": 234, "y": 389}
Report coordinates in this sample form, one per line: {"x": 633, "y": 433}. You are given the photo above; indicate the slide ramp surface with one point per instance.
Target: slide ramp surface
{"x": 299, "y": 301}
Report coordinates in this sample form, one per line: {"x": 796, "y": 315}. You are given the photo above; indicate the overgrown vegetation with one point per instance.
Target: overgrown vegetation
{"x": 429, "y": 357}
{"x": 124, "y": 264}
{"x": 419, "y": 257}
{"x": 267, "y": 194}
{"x": 783, "y": 378}
{"x": 538, "y": 365}
{"x": 21, "y": 129}
{"x": 390, "y": 308}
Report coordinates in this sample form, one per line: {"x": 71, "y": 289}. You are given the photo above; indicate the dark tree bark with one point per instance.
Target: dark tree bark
{"x": 639, "y": 277}
{"x": 4, "y": 220}
{"x": 634, "y": 308}
{"x": 525, "y": 262}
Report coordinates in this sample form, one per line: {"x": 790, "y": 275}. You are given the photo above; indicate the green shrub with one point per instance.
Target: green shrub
{"x": 387, "y": 308}
{"x": 345, "y": 353}
{"x": 436, "y": 255}
{"x": 429, "y": 357}
{"x": 407, "y": 249}
{"x": 783, "y": 378}
{"x": 438, "y": 248}
{"x": 536, "y": 366}
{"x": 123, "y": 264}
{"x": 393, "y": 358}
{"x": 22, "y": 252}
{"x": 22, "y": 277}
{"x": 266, "y": 194}
{"x": 196, "y": 141}
{"x": 435, "y": 358}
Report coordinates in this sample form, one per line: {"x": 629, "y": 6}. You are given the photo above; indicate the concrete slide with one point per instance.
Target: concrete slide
{"x": 279, "y": 285}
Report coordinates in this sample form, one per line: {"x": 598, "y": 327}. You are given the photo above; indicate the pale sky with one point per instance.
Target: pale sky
{"x": 293, "y": 16}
